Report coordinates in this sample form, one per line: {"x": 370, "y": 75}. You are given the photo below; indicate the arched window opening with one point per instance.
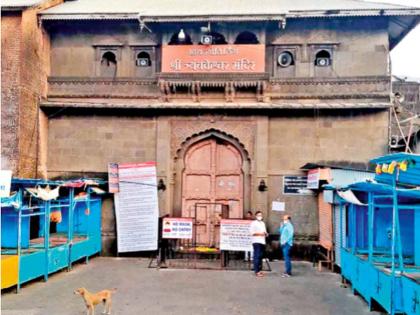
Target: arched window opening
{"x": 213, "y": 38}
{"x": 246, "y": 38}
{"x": 180, "y": 38}
{"x": 109, "y": 59}
{"x": 143, "y": 59}
{"x": 323, "y": 58}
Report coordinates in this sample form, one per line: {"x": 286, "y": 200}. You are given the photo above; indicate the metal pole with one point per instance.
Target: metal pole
{"x": 88, "y": 232}
{"x": 72, "y": 206}
{"x": 46, "y": 237}
{"x": 353, "y": 228}
{"x": 394, "y": 209}
{"x": 370, "y": 229}
{"x": 19, "y": 239}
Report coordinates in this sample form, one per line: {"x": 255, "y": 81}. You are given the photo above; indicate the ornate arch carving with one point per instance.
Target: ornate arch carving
{"x": 212, "y": 132}
{"x": 193, "y": 139}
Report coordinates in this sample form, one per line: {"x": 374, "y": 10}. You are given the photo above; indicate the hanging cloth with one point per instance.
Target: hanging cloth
{"x": 349, "y": 196}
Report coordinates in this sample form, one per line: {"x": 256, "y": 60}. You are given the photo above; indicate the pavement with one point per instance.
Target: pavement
{"x": 183, "y": 292}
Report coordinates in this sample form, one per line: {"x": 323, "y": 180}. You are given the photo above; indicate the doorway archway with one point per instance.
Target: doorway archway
{"x": 212, "y": 166}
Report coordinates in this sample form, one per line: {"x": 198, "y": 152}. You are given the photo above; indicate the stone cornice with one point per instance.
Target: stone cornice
{"x": 106, "y": 81}
{"x": 335, "y": 80}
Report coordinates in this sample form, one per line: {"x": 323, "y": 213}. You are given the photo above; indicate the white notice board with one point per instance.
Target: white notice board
{"x": 177, "y": 228}
{"x": 277, "y": 206}
{"x": 5, "y": 183}
{"x": 235, "y": 235}
{"x": 136, "y": 207}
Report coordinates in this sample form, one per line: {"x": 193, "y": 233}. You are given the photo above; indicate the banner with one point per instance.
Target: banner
{"x": 235, "y": 235}
{"x": 177, "y": 228}
{"x": 313, "y": 179}
{"x": 213, "y": 58}
{"x": 136, "y": 207}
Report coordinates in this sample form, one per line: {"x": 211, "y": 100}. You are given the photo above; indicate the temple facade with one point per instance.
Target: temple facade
{"x": 230, "y": 98}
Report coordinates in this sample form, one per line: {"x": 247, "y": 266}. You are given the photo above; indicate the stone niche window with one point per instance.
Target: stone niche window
{"x": 108, "y": 64}
{"x": 144, "y": 61}
{"x": 180, "y": 37}
{"x": 246, "y": 38}
{"x": 107, "y": 61}
{"x": 212, "y": 38}
{"x": 285, "y": 61}
{"x": 323, "y": 60}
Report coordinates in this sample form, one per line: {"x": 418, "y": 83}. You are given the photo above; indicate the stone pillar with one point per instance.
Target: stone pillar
{"x": 260, "y": 166}
{"x": 163, "y": 159}
{"x": 42, "y": 145}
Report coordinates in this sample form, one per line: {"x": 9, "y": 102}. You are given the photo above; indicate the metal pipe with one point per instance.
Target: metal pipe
{"x": 72, "y": 206}
{"x": 402, "y": 207}
{"x": 371, "y": 210}
{"x": 394, "y": 209}
{"x": 32, "y": 214}
{"x": 19, "y": 240}
{"x": 46, "y": 237}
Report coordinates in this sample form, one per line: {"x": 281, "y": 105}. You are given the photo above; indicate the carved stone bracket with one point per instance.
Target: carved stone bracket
{"x": 169, "y": 89}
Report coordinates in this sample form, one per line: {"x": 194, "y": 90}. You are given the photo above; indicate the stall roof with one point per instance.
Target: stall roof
{"x": 396, "y": 157}
{"x": 73, "y": 183}
{"x": 370, "y": 186}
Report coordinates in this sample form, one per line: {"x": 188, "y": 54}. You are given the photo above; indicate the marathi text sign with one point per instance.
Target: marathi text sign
{"x": 235, "y": 235}
{"x": 177, "y": 228}
{"x": 295, "y": 185}
{"x": 213, "y": 59}
{"x": 136, "y": 207}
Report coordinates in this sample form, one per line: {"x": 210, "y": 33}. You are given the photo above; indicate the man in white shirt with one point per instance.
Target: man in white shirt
{"x": 258, "y": 235}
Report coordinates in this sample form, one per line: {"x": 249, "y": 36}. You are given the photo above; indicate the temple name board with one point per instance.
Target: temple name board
{"x": 213, "y": 59}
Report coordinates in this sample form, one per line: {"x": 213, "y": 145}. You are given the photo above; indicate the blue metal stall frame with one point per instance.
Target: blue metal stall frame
{"x": 82, "y": 230}
{"x": 381, "y": 249}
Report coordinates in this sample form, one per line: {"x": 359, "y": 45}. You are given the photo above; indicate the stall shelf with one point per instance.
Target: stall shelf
{"x": 380, "y": 248}
{"x": 29, "y": 248}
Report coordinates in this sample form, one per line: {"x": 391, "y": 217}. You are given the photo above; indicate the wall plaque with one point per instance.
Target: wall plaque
{"x": 213, "y": 58}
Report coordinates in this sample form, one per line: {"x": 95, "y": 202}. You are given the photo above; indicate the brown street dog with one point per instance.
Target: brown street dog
{"x": 93, "y": 299}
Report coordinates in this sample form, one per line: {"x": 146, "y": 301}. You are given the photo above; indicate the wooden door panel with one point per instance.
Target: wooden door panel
{"x": 200, "y": 157}
{"x": 213, "y": 174}
{"x": 235, "y": 207}
{"x": 197, "y": 186}
{"x": 227, "y": 159}
{"x": 230, "y": 185}
{"x": 189, "y": 206}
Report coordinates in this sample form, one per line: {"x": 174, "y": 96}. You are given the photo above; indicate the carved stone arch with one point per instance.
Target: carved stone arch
{"x": 207, "y": 134}
{"x": 179, "y": 164}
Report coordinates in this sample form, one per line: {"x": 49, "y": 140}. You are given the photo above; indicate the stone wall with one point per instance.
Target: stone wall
{"x": 25, "y": 68}
{"x": 10, "y": 96}
{"x": 277, "y": 144}
{"x": 359, "y": 45}
{"x": 86, "y": 144}
{"x": 319, "y": 136}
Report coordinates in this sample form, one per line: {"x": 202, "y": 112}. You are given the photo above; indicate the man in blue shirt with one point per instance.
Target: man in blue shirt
{"x": 286, "y": 242}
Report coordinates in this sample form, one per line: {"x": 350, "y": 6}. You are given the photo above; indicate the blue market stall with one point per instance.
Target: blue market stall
{"x": 46, "y": 226}
{"x": 380, "y": 251}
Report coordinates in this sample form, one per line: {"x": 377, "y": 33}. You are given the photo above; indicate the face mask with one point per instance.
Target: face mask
{"x": 259, "y": 218}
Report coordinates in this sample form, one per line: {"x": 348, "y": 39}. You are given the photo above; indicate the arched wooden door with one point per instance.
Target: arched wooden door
{"x": 212, "y": 174}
